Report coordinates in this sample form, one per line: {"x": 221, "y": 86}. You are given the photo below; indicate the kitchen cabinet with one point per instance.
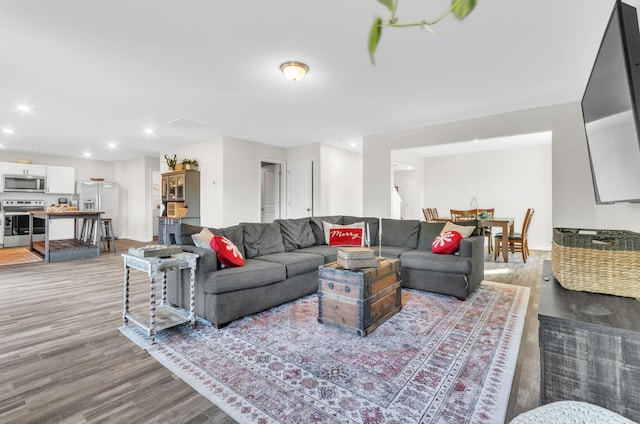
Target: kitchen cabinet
{"x": 11, "y": 168}
{"x": 182, "y": 186}
{"x": 61, "y": 179}
{"x": 168, "y": 227}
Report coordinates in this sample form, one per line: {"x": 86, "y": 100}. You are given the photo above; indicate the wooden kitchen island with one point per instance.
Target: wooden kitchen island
{"x": 62, "y": 250}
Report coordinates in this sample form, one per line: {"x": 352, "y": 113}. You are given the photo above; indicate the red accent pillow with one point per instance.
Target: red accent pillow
{"x": 227, "y": 252}
{"x": 345, "y": 236}
{"x": 447, "y": 242}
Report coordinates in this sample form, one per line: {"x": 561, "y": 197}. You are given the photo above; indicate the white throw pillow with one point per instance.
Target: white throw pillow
{"x": 327, "y": 226}
{"x": 464, "y": 230}
{"x": 203, "y": 238}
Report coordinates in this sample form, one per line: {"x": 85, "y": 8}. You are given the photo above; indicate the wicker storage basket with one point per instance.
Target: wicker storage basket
{"x": 597, "y": 261}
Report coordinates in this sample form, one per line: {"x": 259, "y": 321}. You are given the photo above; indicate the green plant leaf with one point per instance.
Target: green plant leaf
{"x": 374, "y": 37}
{"x": 389, "y": 4}
{"x": 461, "y": 8}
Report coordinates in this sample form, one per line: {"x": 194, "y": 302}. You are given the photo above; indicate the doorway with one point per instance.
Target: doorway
{"x": 270, "y": 183}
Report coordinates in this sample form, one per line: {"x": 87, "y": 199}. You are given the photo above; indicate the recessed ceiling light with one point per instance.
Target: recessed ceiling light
{"x": 149, "y": 131}
{"x": 86, "y": 154}
{"x": 24, "y": 108}
{"x": 8, "y": 131}
{"x": 353, "y": 144}
{"x": 112, "y": 145}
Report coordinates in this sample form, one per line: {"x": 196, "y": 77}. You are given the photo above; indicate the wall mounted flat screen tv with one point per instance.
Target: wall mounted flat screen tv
{"x": 610, "y": 110}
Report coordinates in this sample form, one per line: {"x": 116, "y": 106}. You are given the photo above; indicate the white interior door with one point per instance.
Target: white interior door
{"x": 299, "y": 189}
{"x": 270, "y": 192}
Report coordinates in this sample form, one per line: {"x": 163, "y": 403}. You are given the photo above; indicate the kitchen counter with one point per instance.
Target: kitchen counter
{"x": 60, "y": 250}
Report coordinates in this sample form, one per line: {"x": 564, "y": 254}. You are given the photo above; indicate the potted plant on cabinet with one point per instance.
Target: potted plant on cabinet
{"x": 190, "y": 163}
{"x": 171, "y": 161}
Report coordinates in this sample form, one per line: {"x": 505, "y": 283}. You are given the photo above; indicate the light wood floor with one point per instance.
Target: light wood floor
{"x": 62, "y": 358}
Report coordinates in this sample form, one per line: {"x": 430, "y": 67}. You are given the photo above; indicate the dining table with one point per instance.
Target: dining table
{"x": 506, "y": 223}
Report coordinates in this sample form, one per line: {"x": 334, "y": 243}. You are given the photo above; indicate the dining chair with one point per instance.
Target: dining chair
{"x": 463, "y": 214}
{"x": 518, "y": 242}
{"x": 434, "y": 212}
{"x": 427, "y": 214}
{"x": 487, "y": 213}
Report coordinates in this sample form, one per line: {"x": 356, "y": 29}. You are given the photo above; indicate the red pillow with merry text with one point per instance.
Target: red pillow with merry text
{"x": 345, "y": 236}
{"x": 227, "y": 252}
{"x": 447, "y": 242}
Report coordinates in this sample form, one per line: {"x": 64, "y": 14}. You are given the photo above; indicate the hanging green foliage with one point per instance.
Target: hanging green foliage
{"x": 459, "y": 8}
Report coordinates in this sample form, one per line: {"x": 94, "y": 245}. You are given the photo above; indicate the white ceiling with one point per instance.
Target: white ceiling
{"x": 97, "y": 72}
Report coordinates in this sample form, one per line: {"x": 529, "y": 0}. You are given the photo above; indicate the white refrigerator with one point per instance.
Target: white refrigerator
{"x": 101, "y": 196}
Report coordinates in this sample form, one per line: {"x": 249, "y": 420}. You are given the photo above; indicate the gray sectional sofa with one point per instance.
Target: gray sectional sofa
{"x": 282, "y": 260}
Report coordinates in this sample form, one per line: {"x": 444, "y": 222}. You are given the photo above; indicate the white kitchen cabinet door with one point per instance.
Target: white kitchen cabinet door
{"x": 10, "y": 168}
{"x": 61, "y": 179}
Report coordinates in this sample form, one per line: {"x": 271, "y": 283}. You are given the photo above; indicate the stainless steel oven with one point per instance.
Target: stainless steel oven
{"x": 16, "y": 222}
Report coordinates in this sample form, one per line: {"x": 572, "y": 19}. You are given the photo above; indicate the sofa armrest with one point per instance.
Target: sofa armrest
{"x": 208, "y": 260}
{"x": 471, "y": 246}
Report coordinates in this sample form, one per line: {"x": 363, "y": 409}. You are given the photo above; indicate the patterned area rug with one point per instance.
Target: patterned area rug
{"x": 438, "y": 360}
{"x": 18, "y": 255}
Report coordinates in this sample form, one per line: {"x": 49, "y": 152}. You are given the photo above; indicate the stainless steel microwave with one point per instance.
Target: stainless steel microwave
{"x": 25, "y": 183}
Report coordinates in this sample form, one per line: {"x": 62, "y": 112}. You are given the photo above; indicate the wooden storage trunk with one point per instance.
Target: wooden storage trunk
{"x": 359, "y": 300}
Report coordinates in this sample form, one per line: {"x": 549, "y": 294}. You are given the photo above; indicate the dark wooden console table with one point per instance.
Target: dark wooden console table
{"x": 589, "y": 347}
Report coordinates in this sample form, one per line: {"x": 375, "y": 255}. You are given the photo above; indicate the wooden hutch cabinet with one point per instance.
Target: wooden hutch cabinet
{"x": 180, "y": 189}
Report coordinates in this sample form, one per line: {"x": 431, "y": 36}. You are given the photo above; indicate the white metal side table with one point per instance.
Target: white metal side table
{"x": 164, "y": 315}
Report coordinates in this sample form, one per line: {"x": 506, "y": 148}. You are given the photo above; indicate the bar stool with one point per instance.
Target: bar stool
{"x": 107, "y": 234}
{"x": 87, "y": 232}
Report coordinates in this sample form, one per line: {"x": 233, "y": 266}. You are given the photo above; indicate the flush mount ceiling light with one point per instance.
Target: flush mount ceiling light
{"x": 294, "y": 71}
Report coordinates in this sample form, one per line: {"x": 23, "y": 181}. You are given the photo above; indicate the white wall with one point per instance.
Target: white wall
{"x": 500, "y": 180}
{"x": 340, "y": 179}
{"x": 572, "y": 189}
{"x": 410, "y": 181}
{"x": 241, "y": 168}
{"x": 136, "y": 206}
{"x": 312, "y": 152}
{"x": 209, "y": 154}
{"x": 230, "y": 178}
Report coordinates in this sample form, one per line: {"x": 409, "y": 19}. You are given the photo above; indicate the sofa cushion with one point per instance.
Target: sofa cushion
{"x": 227, "y": 252}
{"x": 464, "y": 230}
{"x": 391, "y": 251}
{"x": 400, "y": 233}
{"x": 447, "y": 242}
{"x": 428, "y": 233}
{"x": 261, "y": 239}
{"x": 370, "y": 224}
{"x": 318, "y": 229}
{"x": 330, "y": 253}
{"x": 296, "y": 233}
{"x": 235, "y": 233}
{"x": 329, "y": 226}
{"x": 295, "y": 262}
{"x": 203, "y": 238}
{"x": 478, "y": 230}
{"x": 253, "y": 274}
{"x": 186, "y": 231}
{"x": 429, "y": 261}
